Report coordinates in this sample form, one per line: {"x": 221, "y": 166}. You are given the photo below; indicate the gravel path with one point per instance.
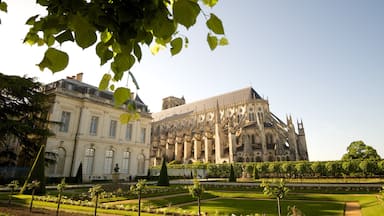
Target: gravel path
{"x": 352, "y": 209}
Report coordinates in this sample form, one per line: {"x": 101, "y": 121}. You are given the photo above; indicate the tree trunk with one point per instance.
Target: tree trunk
{"x": 58, "y": 205}
{"x": 198, "y": 205}
{"x": 32, "y": 169}
{"x": 10, "y": 197}
{"x": 139, "y": 210}
{"x": 31, "y": 204}
{"x": 278, "y": 206}
{"x": 97, "y": 200}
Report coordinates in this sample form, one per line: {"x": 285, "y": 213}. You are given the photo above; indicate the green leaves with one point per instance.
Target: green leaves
{"x": 210, "y": 3}
{"x": 215, "y": 24}
{"x": 55, "y": 60}
{"x": 212, "y": 41}
{"x": 103, "y": 52}
{"x": 121, "y": 95}
{"x": 176, "y": 45}
{"x": 3, "y": 6}
{"x": 121, "y": 63}
{"x": 104, "y": 82}
{"x": 64, "y": 36}
{"x": 185, "y": 12}
{"x": 85, "y": 34}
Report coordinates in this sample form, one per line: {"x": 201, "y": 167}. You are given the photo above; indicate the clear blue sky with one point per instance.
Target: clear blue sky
{"x": 320, "y": 61}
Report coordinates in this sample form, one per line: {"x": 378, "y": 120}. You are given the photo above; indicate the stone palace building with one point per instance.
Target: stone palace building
{"x": 91, "y": 133}
{"x": 234, "y": 127}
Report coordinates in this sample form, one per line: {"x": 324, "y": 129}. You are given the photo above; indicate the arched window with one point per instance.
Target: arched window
{"x": 108, "y": 161}
{"x": 126, "y": 158}
{"x": 140, "y": 164}
{"x": 258, "y": 159}
{"x": 60, "y": 164}
{"x": 253, "y": 139}
{"x": 88, "y": 161}
{"x": 251, "y": 116}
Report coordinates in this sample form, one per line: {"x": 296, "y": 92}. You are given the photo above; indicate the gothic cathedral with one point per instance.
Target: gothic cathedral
{"x": 233, "y": 127}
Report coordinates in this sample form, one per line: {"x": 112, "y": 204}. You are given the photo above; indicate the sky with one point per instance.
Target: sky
{"x": 319, "y": 61}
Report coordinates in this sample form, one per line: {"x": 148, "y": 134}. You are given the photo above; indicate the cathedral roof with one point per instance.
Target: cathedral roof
{"x": 222, "y": 100}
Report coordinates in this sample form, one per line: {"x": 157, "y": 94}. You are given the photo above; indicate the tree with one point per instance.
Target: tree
{"x": 255, "y": 172}
{"x": 163, "y": 177}
{"x": 359, "y": 150}
{"x": 95, "y": 192}
{"x": 275, "y": 190}
{"x": 60, "y": 190}
{"x": 119, "y": 29}
{"x": 317, "y": 168}
{"x": 33, "y": 186}
{"x": 287, "y": 168}
{"x": 37, "y": 172}
{"x": 138, "y": 189}
{"x": 13, "y": 186}
{"x": 197, "y": 190}
{"x": 23, "y": 115}
{"x": 232, "y": 177}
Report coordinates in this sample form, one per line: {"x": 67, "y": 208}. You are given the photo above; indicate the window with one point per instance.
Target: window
{"x": 251, "y": 116}
{"x": 108, "y": 162}
{"x": 60, "y": 164}
{"x": 126, "y": 158}
{"x": 140, "y": 164}
{"x": 128, "y": 132}
{"x": 88, "y": 161}
{"x": 112, "y": 129}
{"x": 94, "y": 123}
{"x": 142, "y": 135}
{"x": 65, "y": 117}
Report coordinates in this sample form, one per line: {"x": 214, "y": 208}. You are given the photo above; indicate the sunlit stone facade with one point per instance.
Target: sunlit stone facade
{"x": 233, "y": 127}
{"x": 92, "y": 134}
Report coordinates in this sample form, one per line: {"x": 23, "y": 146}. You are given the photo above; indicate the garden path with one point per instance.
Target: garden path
{"x": 352, "y": 209}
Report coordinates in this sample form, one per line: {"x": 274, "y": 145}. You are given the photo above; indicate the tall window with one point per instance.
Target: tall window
{"x": 65, "y": 117}
{"x": 126, "y": 158}
{"x": 251, "y": 116}
{"x": 94, "y": 123}
{"x": 112, "y": 129}
{"x": 88, "y": 160}
{"x": 128, "y": 132}
{"x": 60, "y": 161}
{"x": 142, "y": 135}
{"x": 140, "y": 164}
{"x": 108, "y": 162}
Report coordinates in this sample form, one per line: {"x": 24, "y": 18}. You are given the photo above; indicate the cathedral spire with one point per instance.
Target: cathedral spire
{"x": 217, "y": 114}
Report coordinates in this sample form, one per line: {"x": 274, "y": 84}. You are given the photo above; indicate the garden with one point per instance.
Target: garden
{"x": 214, "y": 198}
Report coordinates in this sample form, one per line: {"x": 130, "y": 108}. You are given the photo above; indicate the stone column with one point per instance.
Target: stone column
{"x": 197, "y": 146}
{"x": 187, "y": 147}
{"x": 232, "y": 146}
{"x": 178, "y": 149}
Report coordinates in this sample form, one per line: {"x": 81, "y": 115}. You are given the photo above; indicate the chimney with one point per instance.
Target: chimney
{"x": 79, "y": 77}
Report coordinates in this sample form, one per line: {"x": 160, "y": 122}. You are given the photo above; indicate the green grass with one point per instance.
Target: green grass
{"x": 225, "y": 206}
{"x": 175, "y": 200}
{"x": 237, "y": 202}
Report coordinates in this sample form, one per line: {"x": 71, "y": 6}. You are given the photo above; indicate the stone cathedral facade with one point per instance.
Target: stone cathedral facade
{"x": 234, "y": 127}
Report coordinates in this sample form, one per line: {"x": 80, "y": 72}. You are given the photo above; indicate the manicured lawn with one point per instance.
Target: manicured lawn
{"x": 225, "y": 206}
{"x": 174, "y": 200}
{"x": 236, "y": 202}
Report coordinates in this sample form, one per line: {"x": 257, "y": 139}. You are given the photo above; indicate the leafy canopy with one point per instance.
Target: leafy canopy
{"x": 119, "y": 29}
{"x": 359, "y": 150}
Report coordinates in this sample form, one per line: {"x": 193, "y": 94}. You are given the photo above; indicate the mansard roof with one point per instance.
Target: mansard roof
{"x": 77, "y": 86}
{"x": 223, "y": 100}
